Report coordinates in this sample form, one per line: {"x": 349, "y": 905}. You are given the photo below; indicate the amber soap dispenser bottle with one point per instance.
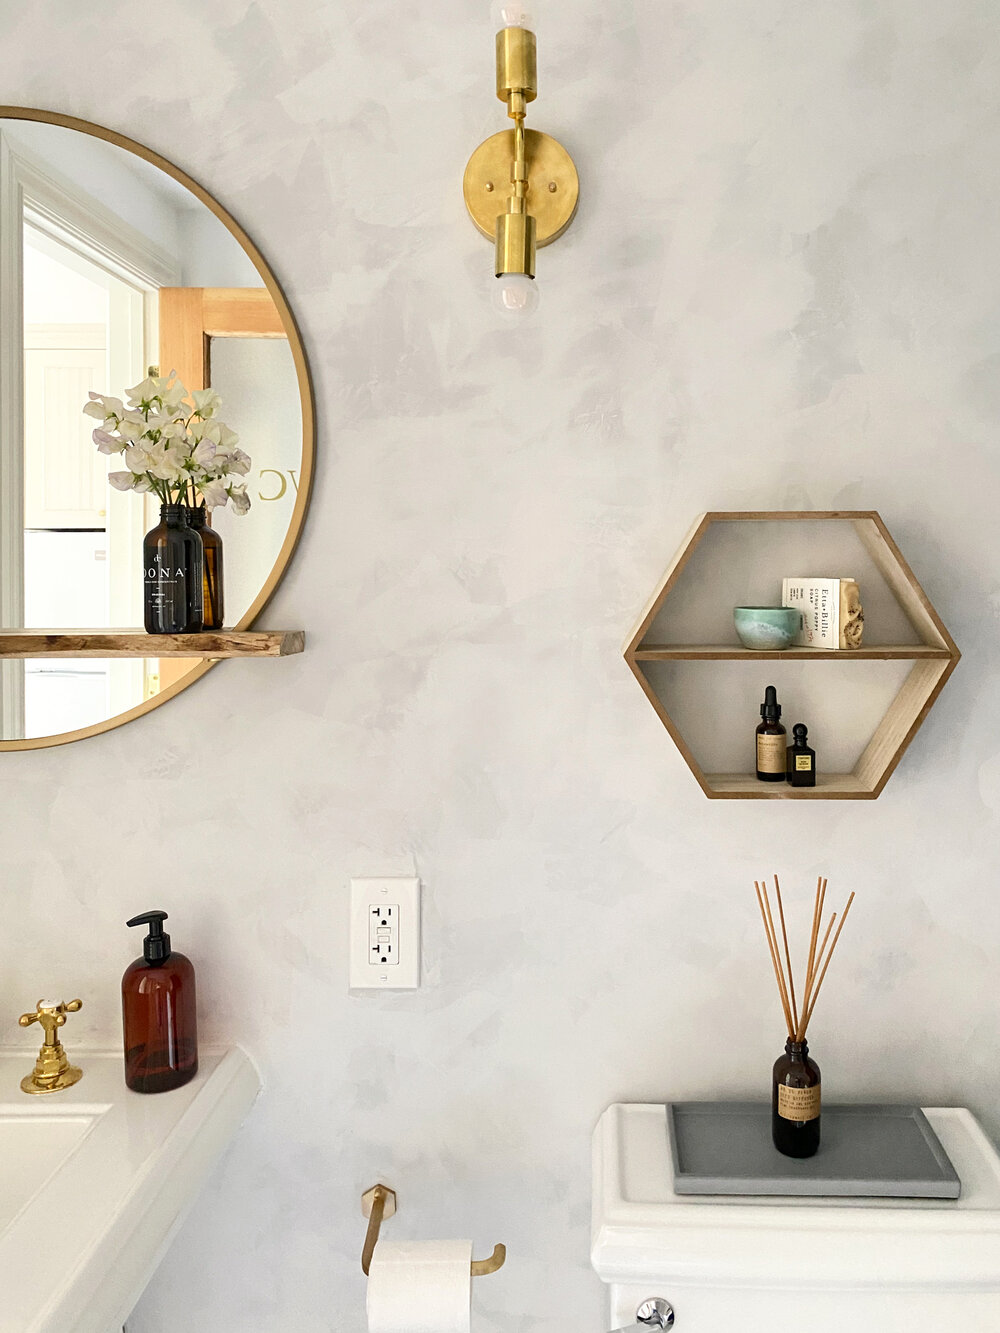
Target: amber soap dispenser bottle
{"x": 158, "y": 1013}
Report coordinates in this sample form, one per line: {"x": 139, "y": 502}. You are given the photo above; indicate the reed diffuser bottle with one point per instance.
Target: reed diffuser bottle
{"x": 795, "y": 1078}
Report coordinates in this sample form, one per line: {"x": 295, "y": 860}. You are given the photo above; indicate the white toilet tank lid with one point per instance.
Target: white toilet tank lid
{"x": 643, "y": 1231}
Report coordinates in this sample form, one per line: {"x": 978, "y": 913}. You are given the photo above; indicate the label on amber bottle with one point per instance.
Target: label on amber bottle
{"x": 771, "y": 754}
{"x": 798, "y": 1103}
{"x": 803, "y": 762}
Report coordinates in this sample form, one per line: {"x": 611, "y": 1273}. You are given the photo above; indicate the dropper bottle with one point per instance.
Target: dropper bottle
{"x": 771, "y": 740}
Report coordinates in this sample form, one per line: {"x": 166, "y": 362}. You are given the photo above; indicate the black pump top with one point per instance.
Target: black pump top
{"x": 770, "y": 709}
{"x": 156, "y": 945}
{"x": 800, "y": 732}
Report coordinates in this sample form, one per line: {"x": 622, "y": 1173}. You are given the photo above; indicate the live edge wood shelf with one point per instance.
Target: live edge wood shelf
{"x": 212, "y": 644}
{"x": 934, "y": 658}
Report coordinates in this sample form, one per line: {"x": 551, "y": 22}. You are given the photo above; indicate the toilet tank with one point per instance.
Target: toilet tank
{"x": 734, "y": 1264}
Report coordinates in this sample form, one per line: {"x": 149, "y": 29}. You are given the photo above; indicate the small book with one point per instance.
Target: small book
{"x": 830, "y": 608}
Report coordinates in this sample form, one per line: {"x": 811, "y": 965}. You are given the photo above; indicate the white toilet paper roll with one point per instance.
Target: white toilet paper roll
{"x": 420, "y": 1287}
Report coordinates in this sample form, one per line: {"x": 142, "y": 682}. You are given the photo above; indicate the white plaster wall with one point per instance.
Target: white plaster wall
{"x": 781, "y": 291}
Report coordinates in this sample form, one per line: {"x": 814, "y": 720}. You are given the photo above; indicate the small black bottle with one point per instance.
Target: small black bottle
{"x": 801, "y": 760}
{"x": 771, "y": 740}
{"x": 795, "y": 1101}
{"x": 173, "y": 563}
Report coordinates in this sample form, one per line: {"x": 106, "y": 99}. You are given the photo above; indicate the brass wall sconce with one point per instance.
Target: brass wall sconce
{"x": 521, "y": 186}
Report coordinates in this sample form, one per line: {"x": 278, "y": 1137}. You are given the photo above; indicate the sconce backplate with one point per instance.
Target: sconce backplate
{"x": 553, "y": 185}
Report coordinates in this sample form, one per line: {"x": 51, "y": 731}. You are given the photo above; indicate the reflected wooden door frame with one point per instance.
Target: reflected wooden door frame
{"x": 190, "y": 317}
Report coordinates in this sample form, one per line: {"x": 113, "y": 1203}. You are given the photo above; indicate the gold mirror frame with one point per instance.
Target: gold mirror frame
{"x": 305, "y": 393}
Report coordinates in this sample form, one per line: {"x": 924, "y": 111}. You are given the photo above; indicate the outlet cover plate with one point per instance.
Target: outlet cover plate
{"x": 367, "y": 896}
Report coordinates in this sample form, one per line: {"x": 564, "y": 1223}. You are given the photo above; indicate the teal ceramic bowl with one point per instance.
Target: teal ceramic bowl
{"x": 766, "y": 627}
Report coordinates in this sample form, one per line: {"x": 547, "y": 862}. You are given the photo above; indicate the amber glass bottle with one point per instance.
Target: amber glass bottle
{"x": 158, "y": 1013}
{"x": 173, "y": 573}
{"x": 795, "y": 1101}
{"x": 771, "y": 740}
{"x": 213, "y": 581}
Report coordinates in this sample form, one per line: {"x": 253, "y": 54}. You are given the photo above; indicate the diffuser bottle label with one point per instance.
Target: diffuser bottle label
{"x": 798, "y": 1103}
{"x": 771, "y": 754}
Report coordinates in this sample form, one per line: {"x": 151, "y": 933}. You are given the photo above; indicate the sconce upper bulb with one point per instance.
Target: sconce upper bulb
{"x": 515, "y": 293}
{"x": 512, "y": 14}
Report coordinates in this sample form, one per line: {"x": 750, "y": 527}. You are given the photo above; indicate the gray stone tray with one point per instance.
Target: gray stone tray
{"x": 874, "y": 1151}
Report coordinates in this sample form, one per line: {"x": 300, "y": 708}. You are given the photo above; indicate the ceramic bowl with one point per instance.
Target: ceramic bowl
{"x": 766, "y": 627}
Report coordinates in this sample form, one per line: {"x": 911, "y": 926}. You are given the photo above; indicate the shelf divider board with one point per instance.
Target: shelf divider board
{"x": 748, "y": 787}
{"x": 686, "y": 652}
{"x": 934, "y": 659}
{"x": 135, "y": 643}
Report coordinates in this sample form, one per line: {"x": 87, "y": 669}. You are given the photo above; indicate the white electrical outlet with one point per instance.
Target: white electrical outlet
{"x": 385, "y": 934}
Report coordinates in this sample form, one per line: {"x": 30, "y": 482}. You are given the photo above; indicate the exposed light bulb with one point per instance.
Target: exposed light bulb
{"x": 512, "y": 14}
{"x": 515, "y": 293}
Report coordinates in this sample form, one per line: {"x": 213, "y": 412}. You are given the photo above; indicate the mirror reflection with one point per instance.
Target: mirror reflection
{"x": 113, "y": 267}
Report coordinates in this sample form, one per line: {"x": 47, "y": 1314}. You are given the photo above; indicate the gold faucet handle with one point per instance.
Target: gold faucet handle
{"x": 51, "y": 1016}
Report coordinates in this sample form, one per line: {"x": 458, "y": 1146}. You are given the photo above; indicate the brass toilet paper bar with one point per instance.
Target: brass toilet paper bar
{"x": 379, "y": 1202}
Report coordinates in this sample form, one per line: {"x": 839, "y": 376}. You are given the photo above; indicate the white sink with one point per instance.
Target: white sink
{"x": 32, "y": 1148}
{"x": 95, "y": 1180}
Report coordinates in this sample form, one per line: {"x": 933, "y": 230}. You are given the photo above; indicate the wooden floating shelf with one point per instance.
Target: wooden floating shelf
{"x": 934, "y": 658}
{"x": 890, "y": 652}
{"x": 747, "y": 787}
{"x": 136, "y": 643}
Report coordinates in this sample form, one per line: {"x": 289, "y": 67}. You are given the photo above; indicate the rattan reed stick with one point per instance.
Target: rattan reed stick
{"x": 774, "y": 959}
{"x": 788, "y": 956}
{"x": 819, "y": 983}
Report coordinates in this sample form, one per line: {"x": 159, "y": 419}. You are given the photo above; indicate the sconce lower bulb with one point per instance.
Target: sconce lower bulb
{"x": 511, "y": 14}
{"x": 515, "y": 293}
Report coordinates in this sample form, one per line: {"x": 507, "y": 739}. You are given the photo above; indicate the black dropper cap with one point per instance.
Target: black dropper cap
{"x": 156, "y": 945}
{"x": 770, "y": 709}
{"x": 800, "y": 731}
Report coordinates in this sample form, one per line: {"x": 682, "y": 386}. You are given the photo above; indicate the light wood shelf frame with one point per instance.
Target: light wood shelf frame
{"x": 211, "y": 644}
{"x": 934, "y": 659}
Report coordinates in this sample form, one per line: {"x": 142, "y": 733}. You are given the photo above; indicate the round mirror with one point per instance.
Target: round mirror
{"x": 114, "y": 266}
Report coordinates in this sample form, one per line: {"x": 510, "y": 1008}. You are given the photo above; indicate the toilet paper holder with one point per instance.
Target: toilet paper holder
{"x": 379, "y": 1202}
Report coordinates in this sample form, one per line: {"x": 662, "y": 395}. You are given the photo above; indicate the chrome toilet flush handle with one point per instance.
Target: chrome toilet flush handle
{"x": 654, "y": 1313}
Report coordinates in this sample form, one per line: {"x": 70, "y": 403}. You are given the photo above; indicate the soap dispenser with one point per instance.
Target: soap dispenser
{"x": 158, "y": 1013}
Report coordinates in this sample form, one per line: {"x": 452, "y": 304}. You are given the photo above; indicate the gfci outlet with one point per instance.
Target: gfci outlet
{"x": 385, "y": 934}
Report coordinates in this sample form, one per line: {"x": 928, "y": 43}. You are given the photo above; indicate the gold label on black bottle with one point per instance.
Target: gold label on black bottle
{"x": 803, "y": 762}
{"x": 798, "y": 1103}
{"x": 771, "y": 754}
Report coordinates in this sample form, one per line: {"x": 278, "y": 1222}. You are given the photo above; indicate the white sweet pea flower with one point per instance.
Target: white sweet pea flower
{"x": 239, "y": 462}
{"x": 228, "y": 439}
{"x": 132, "y": 431}
{"x": 122, "y": 481}
{"x": 144, "y": 393}
{"x": 106, "y": 443}
{"x": 202, "y": 454}
{"x": 172, "y": 395}
{"x": 206, "y": 402}
{"x": 111, "y": 407}
{"x": 214, "y": 493}
{"x": 166, "y": 464}
{"x": 240, "y": 499}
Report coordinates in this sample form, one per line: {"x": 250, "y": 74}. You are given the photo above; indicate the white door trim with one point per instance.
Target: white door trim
{"x": 56, "y": 205}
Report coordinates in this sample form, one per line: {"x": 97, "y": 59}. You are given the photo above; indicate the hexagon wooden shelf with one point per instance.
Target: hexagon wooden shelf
{"x": 933, "y": 653}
